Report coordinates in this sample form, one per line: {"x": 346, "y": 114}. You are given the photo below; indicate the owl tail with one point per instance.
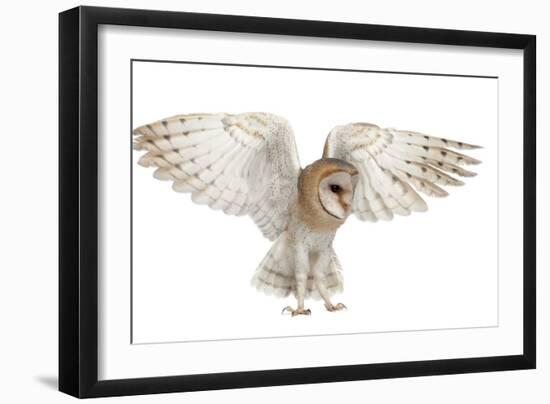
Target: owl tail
{"x": 275, "y": 274}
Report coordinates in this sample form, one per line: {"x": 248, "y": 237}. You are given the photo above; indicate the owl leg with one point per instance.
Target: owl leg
{"x": 301, "y": 280}
{"x": 301, "y": 271}
{"x": 319, "y": 277}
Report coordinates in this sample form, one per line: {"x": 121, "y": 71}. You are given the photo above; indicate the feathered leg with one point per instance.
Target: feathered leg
{"x": 301, "y": 268}
{"x": 323, "y": 261}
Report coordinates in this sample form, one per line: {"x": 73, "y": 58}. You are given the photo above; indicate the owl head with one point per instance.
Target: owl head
{"x": 325, "y": 192}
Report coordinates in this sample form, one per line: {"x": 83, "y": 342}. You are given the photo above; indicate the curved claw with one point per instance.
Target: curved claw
{"x": 306, "y": 312}
{"x": 287, "y": 309}
{"x": 337, "y": 307}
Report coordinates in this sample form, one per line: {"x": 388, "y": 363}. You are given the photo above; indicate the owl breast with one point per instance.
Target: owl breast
{"x": 307, "y": 236}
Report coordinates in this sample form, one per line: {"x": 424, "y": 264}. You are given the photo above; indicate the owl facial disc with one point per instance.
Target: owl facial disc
{"x": 336, "y": 194}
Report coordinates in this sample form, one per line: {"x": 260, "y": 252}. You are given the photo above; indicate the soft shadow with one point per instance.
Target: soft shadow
{"x": 48, "y": 381}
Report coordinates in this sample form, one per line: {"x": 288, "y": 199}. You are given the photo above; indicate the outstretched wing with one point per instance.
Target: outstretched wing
{"x": 244, "y": 164}
{"x": 393, "y": 165}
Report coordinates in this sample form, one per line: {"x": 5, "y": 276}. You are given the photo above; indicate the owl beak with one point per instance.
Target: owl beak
{"x": 347, "y": 209}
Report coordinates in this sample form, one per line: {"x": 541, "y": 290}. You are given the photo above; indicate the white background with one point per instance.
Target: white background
{"x": 426, "y": 271}
{"x": 29, "y": 216}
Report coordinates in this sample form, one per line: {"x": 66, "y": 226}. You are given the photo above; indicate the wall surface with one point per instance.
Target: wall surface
{"x": 28, "y": 214}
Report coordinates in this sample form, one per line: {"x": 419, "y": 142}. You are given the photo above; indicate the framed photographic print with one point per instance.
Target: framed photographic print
{"x": 251, "y": 201}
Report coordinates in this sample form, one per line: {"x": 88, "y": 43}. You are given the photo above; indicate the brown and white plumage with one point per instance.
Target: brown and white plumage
{"x": 247, "y": 164}
{"x": 393, "y": 164}
{"x": 276, "y": 275}
{"x": 244, "y": 164}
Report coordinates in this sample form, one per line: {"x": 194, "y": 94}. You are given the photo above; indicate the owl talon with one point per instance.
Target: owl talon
{"x": 296, "y": 312}
{"x": 337, "y": 307}
{"x": 286, "y": 310}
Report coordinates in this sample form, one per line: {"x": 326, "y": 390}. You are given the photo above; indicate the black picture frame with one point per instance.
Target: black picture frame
{"x": 78, "y": 201}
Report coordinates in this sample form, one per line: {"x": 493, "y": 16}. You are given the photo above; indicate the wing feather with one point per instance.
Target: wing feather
{"x": 395, "y": 166}
{"x": 239, "y": 164}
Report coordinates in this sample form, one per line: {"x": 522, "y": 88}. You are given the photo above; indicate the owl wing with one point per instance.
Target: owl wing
{"x": 245, "y": 164}
{"x": 395, "y": 165}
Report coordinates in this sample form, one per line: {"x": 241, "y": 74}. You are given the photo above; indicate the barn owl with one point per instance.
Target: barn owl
{"x": 247, "y": 164}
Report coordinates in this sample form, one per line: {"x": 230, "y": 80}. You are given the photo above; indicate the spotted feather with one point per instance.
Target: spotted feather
{"x": 395, "y": 165}
{"x": 245, "y": 164}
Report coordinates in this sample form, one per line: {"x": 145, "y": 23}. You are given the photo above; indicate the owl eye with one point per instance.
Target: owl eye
{"x": 335, "y": 188}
